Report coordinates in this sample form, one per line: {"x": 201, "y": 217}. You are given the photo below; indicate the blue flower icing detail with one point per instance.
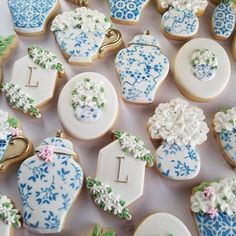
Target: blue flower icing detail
{"x": 4, "y": 142}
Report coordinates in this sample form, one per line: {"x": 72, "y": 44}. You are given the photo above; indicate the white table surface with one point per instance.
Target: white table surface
{"x": 160, "y": 195}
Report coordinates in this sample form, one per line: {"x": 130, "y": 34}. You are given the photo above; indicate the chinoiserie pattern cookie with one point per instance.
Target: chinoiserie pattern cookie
{"x": 141, "y": 67}
{"x": 162, "y": 224}
{"x": 180, "y": 18}
{"x": 214, "y": 207}
{"x": 181, "y": 127}
{"x": 49, "y": 182}
{"x": 98, "y": 231}
{"x": 81, "y": 3}
{"x": 36, "y": 85}
{"x": 127, "y": 11}
{"x": 10, "y": 217}
{"x": 224, "y": 130}
{"x": 88, "y": 106}
{"x": 14, "y": 147}
{"x": 84, "y": 34}
{"x": 202, "y": 69}
{"x": 30, "y": 17}
{"x": 223, "y": 20}
{"x": 118, "y": 186}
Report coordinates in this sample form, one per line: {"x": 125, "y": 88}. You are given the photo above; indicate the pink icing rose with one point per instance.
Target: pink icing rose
{"x": 212, "y": 212}
{"x": 47, "y": 153}
{"x": 209, "y": 192}
{"x": 16, "y": 132}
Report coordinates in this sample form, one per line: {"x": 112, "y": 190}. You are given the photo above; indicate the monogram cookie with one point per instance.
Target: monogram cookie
{"x": 181, "y": 127}
{"x": 35, "y": 87}
{"x": 116, "y": 187}
{"x": 180, "y": 18}
{"x": 49, "y": 182}
{"x": 10, "y": 217}
{"x": 202, "y": 69}
{"x": 214, "y": 207}
{"x": 84, "y": 35}
{"x": 142, "y": 67}
{"x": 31, "y": 17}
{"x": 98, "y": 231}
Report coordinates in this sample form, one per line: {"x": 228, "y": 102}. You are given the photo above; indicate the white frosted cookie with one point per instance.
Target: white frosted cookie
{"x": 118, "y": 186}
{"x": 202, "y": 69}
{"x": 88, "y": 106}
{"x": 142, "y": 67}
{"x": 49, "y": 182}
{"x": 181, "y": 127}
{"x": 162, "y": 224}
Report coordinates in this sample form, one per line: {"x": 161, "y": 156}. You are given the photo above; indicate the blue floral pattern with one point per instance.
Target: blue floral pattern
{"x": 4, "y": 141}
{"x": 48, "y": 188}
{"x": 177, "y": 162}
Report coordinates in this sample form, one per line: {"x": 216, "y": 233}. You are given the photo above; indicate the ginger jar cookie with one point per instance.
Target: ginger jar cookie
{"x": 115, "y": 188}
{"x": 49, "y": 183}
{"x": 181, "y": 127}
{"x": 202, "y": 69}
{"x": 84, "y": 35}
{"x": 142, "y": 67}
{"x": 213, "y": 205}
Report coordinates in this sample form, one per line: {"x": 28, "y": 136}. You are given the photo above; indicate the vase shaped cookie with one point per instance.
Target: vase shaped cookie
{"x": 116, "y": 187}
{"x": 181, "y": 127}
{"x": 14, "y": 147}
{"x": 180, "y": 18}
{"x": 84, "y": 34}
{"x": 35, "y": 87}
{"x": 202, "y": 69}
{"x": 127, "y": 11}
{"x": 162, "y": 224}
{"x": 223, "y": 20}
{"x": 49, "y": 182}
{"x": 141, "y": 67}
{"x": 30, "y": 17}
{"x": 214, "y": 207}
{"x": 10, "y": 217}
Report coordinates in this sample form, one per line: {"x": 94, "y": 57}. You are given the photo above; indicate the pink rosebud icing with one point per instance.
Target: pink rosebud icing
{"x": 16, "y": 132}
{"x": 212, "y": 212}
{"x": 209, "y": 192}
{"x": 47, "y": 153}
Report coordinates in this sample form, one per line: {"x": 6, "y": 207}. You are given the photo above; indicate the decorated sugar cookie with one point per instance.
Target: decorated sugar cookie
{"x": 116, "y": 187}
{"x": 31, "y": 17}
{"x": 10, "y": 217}
{"x": 36, "y": 85}
{"x": 214, "y": 207}
{"x": 14, "y": 147}
{"x": 98, "y": 231}
{"x": 88, "y": 106}
{"x": 49, "y": 182}
{"x": 162, "y": 224}
{"x": 141, "y": 67}
{"x": 202, "y": 69}
{"x": 181, "y": 127}
{"x": 84, "y": 35}
{"x": 126, "y": 11}
{"x": 80, "y": 2}
{"x": 180, "y": 18}
{"x": 223, "y": 20}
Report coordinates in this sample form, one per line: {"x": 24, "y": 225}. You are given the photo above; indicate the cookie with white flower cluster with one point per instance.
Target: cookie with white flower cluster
{"x": 35, "y": 87}
{"x": 162, "y": 224}
{"x": 224, "y": 130}
{"x": 98, "y": 231}
{"x": 81, "y": 3}
{"x": 180, "y": 17}
{"x": 180, "y": 127}
{"x": 115, "y": 188}
{"x": 49, "y": 182}
{"x": 84, "y": 35}
{"x": 14, "y": 146}
{"x": 213, "y": 205}
{"x": 202, "y": 69}
{"x": 10, "y": 217}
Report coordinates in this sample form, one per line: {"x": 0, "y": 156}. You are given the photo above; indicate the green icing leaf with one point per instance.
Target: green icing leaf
{"x": 97, "y": 231}
{"x": 201, "y": 187}
{"x": 5, "y": 43}
{"x": 14, "y": 123}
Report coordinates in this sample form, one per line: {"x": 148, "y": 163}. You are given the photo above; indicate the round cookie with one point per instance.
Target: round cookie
{"x": 202, "y": 69}
{"x": 162, "y": 224}
{"x": 88, "y": 106}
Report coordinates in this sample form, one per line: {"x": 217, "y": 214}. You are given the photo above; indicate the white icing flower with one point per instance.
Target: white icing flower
{"x": 4, "y": 125}
{"x": 178, "y": 122}
{"x": 199, "y": 202}
{"x": 225, "y": 120}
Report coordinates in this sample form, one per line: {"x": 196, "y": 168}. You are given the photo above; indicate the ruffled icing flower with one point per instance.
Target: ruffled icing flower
{"x": 178, "y": 122}
{"x": 46, "y": 153}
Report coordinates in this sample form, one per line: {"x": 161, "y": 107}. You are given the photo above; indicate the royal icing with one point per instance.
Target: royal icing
{"x": 48, "y": 183}
{"x": 98, "y": 231}
{"x": 30, "y": 16}
{"x": 142, "y": 67}
{"x": 162, "y": 224}
{"x": 77, "y": 113}
{"x": 202, "y": 89}
{"x": 6, "y": 44}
